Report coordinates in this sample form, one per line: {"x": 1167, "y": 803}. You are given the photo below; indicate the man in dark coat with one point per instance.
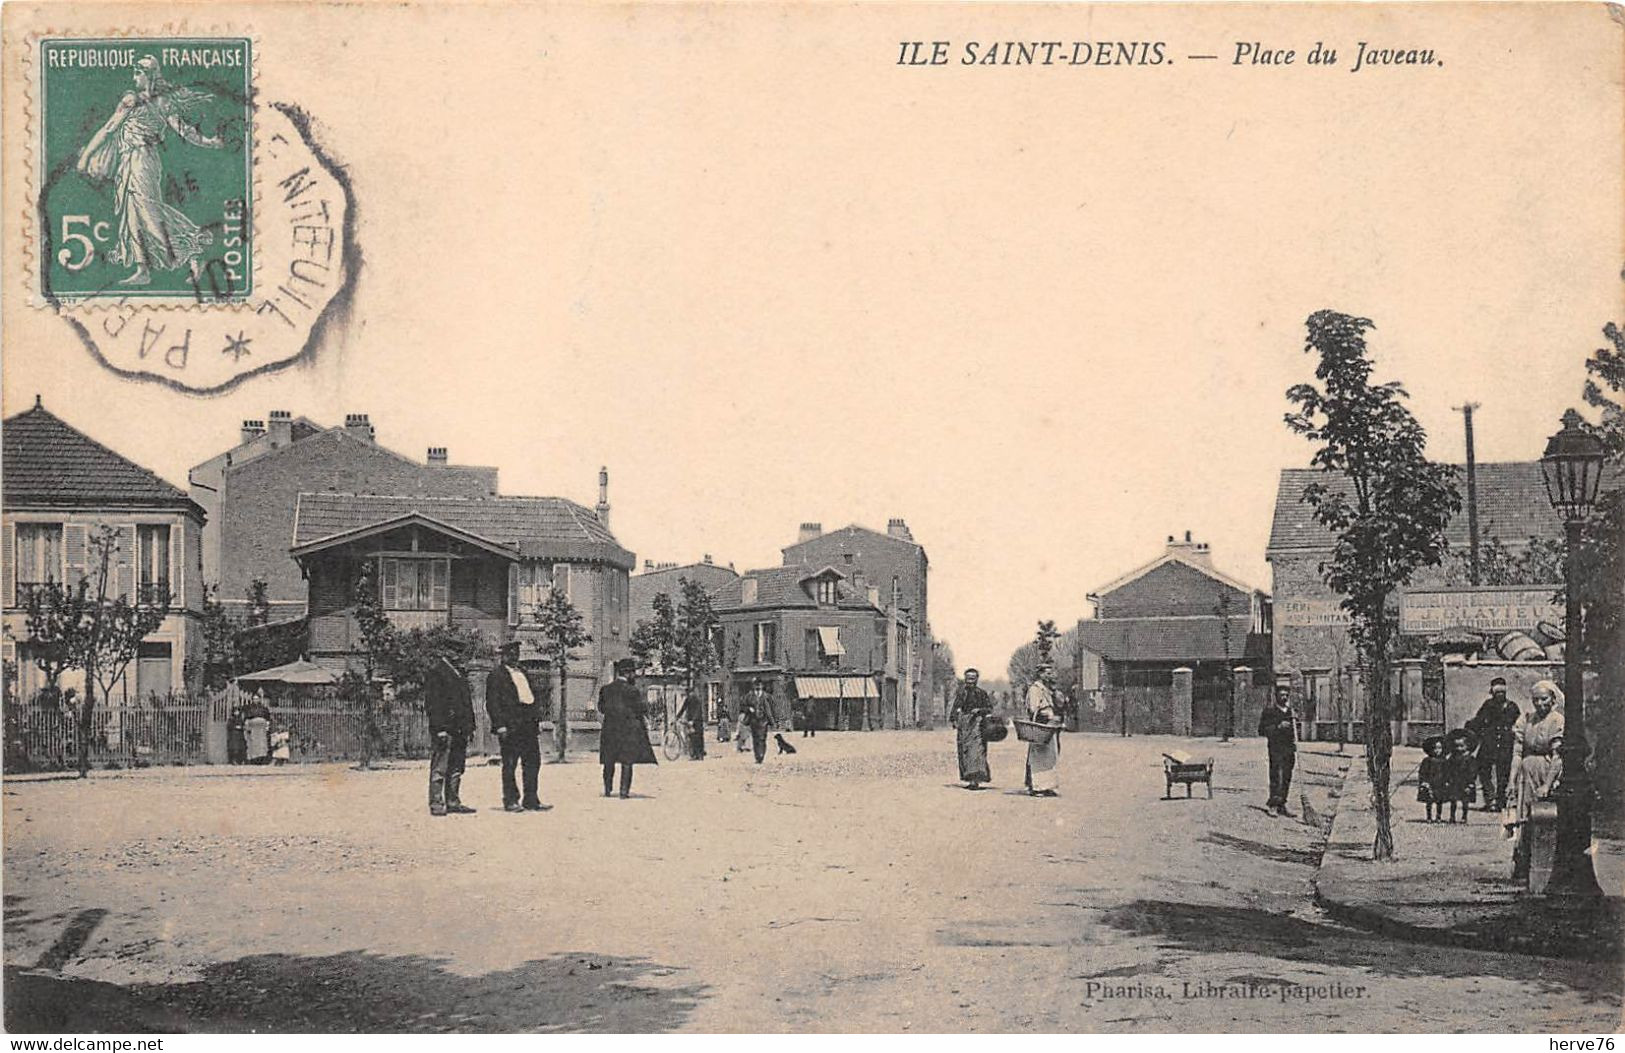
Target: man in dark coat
{"x": 450, "y": 709}
{"x": 1276, "y": 725}
{"x": 1493, "y": 725}
{"x": 517, "y": 720}
{"x": 624, "y": 739}
{"x": 756, "y": 712}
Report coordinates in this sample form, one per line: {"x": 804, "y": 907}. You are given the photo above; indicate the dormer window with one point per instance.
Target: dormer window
{"x": 827, "y": 594}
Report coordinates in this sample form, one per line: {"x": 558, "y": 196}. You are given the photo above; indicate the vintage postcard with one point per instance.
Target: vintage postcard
{"x": 892, "y": 518}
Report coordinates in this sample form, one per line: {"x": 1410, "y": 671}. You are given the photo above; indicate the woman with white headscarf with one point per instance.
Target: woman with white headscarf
{"x": 1537, "y": 766}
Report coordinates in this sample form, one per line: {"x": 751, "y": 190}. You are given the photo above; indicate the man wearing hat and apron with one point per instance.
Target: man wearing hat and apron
{"x": 1493, "y": 725}
{"x": 517, "y": 720}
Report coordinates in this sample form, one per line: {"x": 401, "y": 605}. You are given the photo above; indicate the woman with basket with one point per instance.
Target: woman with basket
{"x": 1041, "y": 731}
{"x": 970, "y": 711}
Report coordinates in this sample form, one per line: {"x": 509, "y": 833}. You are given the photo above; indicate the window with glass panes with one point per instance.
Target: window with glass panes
{"x": 39, "y": 554}
{"x": 152, "y": 562}
{"x": 415, "y": 584}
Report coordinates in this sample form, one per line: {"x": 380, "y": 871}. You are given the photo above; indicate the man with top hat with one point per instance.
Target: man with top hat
{"x": 1493, "y": 726}
{"x": 624, "y": 739}
{"x": 450, "y": 709}
{"x": 516, "y": 719}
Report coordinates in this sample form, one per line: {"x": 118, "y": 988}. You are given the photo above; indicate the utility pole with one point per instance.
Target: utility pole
{"x": 1466, "y": 410}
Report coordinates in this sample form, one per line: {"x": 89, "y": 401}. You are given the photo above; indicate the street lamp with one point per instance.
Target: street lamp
{"x": 1572, "y": 469}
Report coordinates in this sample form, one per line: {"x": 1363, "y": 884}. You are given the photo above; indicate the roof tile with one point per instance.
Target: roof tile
{"x": 51, "y": 463}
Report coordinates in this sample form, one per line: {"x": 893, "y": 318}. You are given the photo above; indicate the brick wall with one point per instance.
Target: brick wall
{"x": 258, "y": 499}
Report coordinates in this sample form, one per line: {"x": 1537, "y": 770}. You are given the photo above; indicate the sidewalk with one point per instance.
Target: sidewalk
{"x": 1451, "y": 884}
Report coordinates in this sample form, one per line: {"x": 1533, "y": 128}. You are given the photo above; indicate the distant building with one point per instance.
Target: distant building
{"x": 1180, "y": 612}
{"x": 59, "y": 486}
{"x": 663, "y": 690}
{"x": 249, "y": 491}
{"x": 896, "y": 565}
{"x": 1313, "y": 651}
{"x": 810, "y": 634}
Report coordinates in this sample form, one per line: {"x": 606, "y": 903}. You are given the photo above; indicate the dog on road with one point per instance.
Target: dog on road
{"x": 784, "y": 747}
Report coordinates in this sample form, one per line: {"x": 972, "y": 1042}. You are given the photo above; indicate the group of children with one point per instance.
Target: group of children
{"x": 1448, "y": 775}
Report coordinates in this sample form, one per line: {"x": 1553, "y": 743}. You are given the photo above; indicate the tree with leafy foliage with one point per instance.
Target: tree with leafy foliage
{"x": 90, "y": 625}
{"x": 1384, "y": 502}
{"x": 1539, "y": 561}
{"x": 380, "y": 652}
{"x": 218, "y": 663}
{"x": 562, "y": 631}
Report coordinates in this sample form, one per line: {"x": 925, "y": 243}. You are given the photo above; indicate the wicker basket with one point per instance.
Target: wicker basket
{"x": 1032, "y": 731}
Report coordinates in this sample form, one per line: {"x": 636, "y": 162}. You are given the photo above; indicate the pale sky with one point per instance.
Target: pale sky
{"x": 1046, "y": 315}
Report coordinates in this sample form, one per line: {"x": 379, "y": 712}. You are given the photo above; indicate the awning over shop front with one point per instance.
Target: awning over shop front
{"x": 853, "y": 687}
{"x": 829, "y": 638}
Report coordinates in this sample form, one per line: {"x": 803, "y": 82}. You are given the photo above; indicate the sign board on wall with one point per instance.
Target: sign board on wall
{"x": 1310, "y": 612}
{"x": 1486, "y": 609}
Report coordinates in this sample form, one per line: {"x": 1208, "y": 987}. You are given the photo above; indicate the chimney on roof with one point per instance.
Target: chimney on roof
{"x": 281, "y": 430}
{"x": 874, "y": 596}
{"x": 438, "y": 455}
{"x": 707, "y": 559}
{"x": 899, "y": 529}
{"x": 648, "y": 565}
{"x": 603, "y": 496}
{"x": 809, "y": 531}
{"x": 1191, "y": 551}
{"x": 252, "y": 429}
{"x": 358, "y": 425}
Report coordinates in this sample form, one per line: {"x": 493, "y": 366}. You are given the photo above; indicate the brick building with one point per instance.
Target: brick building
{"x": 895, "y": 564}
{"x": 1312, "y": 647}
{"x": 1179, "y": 612}
{"x": 811, "y": 633}
{"x": 60, "y": 485}
{"x": 481, "y": 563}
{"x": 664, "y": 692}
{"x": 249, "y": 491}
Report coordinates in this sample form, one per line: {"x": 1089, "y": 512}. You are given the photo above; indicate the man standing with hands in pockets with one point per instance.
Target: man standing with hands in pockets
{"x": 450, "y": 710}
{"x": 517, "y": 721}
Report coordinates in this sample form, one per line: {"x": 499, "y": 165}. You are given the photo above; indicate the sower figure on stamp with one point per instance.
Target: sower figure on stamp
{"x": 450, "y": 709}
{"x": 1493, "y": 726}
{"x": 1276, "y": 725}
{"x": 517, "y": 721}
{"x": 128, "y": 149}
{"x": 624, "y": 739}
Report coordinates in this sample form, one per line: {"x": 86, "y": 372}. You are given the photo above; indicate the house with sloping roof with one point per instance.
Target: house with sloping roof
{"x": 59, "y": 487}
{"x": 1313, "y": 651}
{"x": 1179, "y": 611}
{"x": 896, "y": 563}
{"x": 664, "y": 691}
{"x": 480, "y": 563}
{"x": 249, "y": 492}
{"x": 820, "y": 644}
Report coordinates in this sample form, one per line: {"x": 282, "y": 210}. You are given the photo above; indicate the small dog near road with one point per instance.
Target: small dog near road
{"x": 784, "y": 747}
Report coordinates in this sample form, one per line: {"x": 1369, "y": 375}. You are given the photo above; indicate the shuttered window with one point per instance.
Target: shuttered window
{"x": 415, "y": 584}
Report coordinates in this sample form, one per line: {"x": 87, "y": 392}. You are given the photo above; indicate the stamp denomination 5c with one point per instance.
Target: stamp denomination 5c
{"x": 146, "y": 169}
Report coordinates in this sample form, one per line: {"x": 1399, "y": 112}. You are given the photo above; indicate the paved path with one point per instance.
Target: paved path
{"x": 852, "y": 887}
{"x": 1451, "y": 883}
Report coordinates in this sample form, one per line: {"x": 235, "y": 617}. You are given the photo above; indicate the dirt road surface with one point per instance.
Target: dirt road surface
{"x": 850, "y": 887}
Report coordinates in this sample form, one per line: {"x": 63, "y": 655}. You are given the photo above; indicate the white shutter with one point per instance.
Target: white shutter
{"x": 389, "y": 582}
{"x": 442, "y": 576}
{"x": 562, "y": 579}
{"x": 513, "y": 594}
{"x": 76, "y": 552}
{"x": 125, "y": 557}
{"x": 8, "y": 555}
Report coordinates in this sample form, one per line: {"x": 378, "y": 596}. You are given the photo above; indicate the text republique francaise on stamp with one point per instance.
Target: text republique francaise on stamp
{"x": 187, "y": 232}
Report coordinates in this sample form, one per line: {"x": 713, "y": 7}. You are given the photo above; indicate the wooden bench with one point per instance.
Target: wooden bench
{"x": 1175, "y": 770}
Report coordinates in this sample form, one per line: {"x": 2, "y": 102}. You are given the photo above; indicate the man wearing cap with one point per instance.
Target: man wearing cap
{"x": 1280, "y": 734}
{"x": 1493, "y": 725}
{"x": 447, "y": 704}
{"x": 624, "y": 739}
{"x": 517, "y": 720}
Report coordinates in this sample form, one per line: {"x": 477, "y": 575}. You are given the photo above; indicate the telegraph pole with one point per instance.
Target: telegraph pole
{"x": 1466, "y": 410}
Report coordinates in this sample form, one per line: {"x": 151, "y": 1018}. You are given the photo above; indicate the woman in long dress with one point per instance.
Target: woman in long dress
{"x": 1537, "y": 765}
{"x": 1043, "y": 780}
{"x": 970, "y": 710}
{"x": 151, "y": 233}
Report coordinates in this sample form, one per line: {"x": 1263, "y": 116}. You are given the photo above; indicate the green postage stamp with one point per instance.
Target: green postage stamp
{"x": 146, "y": 149}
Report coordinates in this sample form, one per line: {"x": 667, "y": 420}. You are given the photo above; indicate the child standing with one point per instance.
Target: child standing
{"x": 1461, "y": 776}
{"x": 1430, "y": 780}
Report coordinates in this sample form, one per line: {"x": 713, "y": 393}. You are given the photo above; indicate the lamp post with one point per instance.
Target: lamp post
{"x": 1572, "y": 469}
